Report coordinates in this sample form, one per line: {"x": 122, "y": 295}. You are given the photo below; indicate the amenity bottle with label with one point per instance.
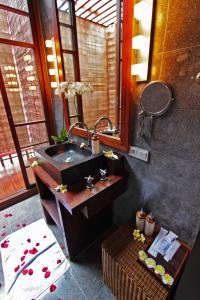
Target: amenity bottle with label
{"x": 149, "y": 225}
{"x": 140, "y": 219}
{"x": 95, "y": 144}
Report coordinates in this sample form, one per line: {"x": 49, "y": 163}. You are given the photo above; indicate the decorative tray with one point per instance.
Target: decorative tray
{"x": 173, "y": 267}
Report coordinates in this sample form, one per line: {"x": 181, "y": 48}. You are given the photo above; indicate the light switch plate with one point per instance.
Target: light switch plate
{"x": 139, "y": 153}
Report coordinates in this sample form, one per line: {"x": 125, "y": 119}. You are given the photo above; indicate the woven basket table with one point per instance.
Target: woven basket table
{"x": 123, "y": 273}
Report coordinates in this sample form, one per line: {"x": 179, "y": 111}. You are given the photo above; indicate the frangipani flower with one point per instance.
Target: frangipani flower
{"x": 167, "y": 279}
{"x": 150, "y": 262}
{"x": 141, "y": 238}
{"x": 160, "y": 270}
{"x": 35, "y": 164}
{"x": 110, "y": 154}
{"x": 142, "y": 255}
{"x": 61, "y": 188}
{"x": 138, "y": 236}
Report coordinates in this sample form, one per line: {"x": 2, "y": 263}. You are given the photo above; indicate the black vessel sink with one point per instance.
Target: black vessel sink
{"x": 70, "y": 153}
{"x": 68, "y": 163}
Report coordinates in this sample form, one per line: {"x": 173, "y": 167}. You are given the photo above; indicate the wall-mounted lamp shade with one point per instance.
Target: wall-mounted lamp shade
{"x": 141, "y": 10}
{"x": 54, "y": 84}
{"x": 32, "y": 88}
{"x": 50, "y": 58}
{"x": 31, "y": 78}
{"x": 27, "y": 57}
{"x": 28, "y": 68}
{"x": 12, "y": 82}
{"x": 9, "y": 68}
{"x": 139, "y": 70}
{"x": 139, "y": 42}
{"x": 11, "y": 75}
{"x": 49, "y": 43}
{"x": 52, "y": 72}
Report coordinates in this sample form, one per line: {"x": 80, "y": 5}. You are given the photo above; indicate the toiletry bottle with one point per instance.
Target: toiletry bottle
{"x": 95, "y": 144}
{"x": 149, "y": 225}
{"x": 140, "y": 219}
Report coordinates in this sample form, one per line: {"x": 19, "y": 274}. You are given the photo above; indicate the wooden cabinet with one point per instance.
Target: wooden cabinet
{"x": 82, "y": 214}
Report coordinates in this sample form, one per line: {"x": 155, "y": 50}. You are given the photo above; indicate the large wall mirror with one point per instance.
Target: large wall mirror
{"x": 95, "y": 39}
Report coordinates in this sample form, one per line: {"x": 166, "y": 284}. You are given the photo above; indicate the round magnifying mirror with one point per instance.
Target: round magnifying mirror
{"x": 156, "y": 98}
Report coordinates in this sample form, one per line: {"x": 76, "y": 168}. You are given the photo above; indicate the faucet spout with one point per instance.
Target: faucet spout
{"x": 83, "y": 125}
{"x": 101, "y": 119}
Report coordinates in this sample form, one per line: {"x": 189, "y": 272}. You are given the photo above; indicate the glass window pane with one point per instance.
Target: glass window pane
{"x": 64, "y": 12}
{"x": 15, "y": 27}
{"x": 6, "y": 144}
{"x": 21, "y": 81}
{"x": 31, "y": 134}
{"x": 66, "y": 38}
{"x": 19, "y": 4}
{"x": 69, "y": 67}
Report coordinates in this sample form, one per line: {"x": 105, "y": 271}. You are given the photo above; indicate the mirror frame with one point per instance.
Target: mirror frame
{"x": 121, "y": 143}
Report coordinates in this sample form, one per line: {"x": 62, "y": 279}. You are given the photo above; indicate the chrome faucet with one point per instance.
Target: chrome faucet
{"x": 101, "y": 119}
{"x": 83, "y": 125}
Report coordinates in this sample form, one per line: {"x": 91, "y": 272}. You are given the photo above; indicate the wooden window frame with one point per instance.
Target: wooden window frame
{"x": 126, "y": 81}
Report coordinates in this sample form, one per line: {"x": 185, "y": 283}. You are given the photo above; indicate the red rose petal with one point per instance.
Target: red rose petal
{"x": 18, "y": 225}
{"x": 23, "y": 258}
{"x": 30, "y": 272}
{"x": 3, "y": 234}
{"x": 44, "y": 237}
{"x": 28, "y": 240}
{"x": 44, "y": 269}
{"x": 47, "y": 274}
{"x": 4, "y": 226}
{"x": 62, "y": 247}
{"x": 22, "y": 264}
{"x": 24, "y": 225}
{"x": 5, "y": 244}
{"x": 58, "y": 261}
{"x": 17, "y": 268}
{"x": 37, "y": 244}
{"x": 52, "y": 288}
{"x": 33, "y": 251}
{"x": 10, "y": 215}
{"x": 25, "y": 252}
{"x": 24, "y": 272}
{"x": 6, "y": 215}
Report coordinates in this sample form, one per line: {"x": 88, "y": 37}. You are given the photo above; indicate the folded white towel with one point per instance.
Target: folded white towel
{"x": 43, "y": 251}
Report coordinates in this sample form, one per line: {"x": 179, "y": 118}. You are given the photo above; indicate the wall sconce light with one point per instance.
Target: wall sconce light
{"x": 52, "y": 72}
{"x": 27, "y": 57}
{"x": 12, "y": 82}
{"x": 28, "y": 68}
{"x": 49, "y": 43}
{"x": 31, "y": 78}
{"x": 52, "y": 59}
{"x": 32, "y": 88}
{"x": 143, "y": 13}
{"x": 54, "y": 84}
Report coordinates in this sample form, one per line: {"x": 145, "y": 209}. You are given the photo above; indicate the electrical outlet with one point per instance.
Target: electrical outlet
{"x": 139, "y": 153}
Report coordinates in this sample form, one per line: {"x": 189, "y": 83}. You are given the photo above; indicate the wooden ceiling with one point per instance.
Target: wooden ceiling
{"x": 103, "y": 12}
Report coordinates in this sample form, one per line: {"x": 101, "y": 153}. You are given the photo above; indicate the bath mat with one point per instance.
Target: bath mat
{"x": 32, "y": 261}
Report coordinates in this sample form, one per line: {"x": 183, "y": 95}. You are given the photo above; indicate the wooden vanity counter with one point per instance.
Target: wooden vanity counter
{"x": 81, "y": 214}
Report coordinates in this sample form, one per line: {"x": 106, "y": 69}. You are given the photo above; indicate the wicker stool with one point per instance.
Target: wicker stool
{"x": 123, "y": 274}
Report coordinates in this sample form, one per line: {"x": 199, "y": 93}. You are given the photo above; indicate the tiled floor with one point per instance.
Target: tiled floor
{"x": 83, "y": 280}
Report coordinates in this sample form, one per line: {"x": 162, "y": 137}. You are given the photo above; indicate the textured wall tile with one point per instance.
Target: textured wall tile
{"x": 177, "y": 69}
{"x": 176, "y": 177}
{"x": 183, "y": 28}
{"x": 177, "y": 133}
